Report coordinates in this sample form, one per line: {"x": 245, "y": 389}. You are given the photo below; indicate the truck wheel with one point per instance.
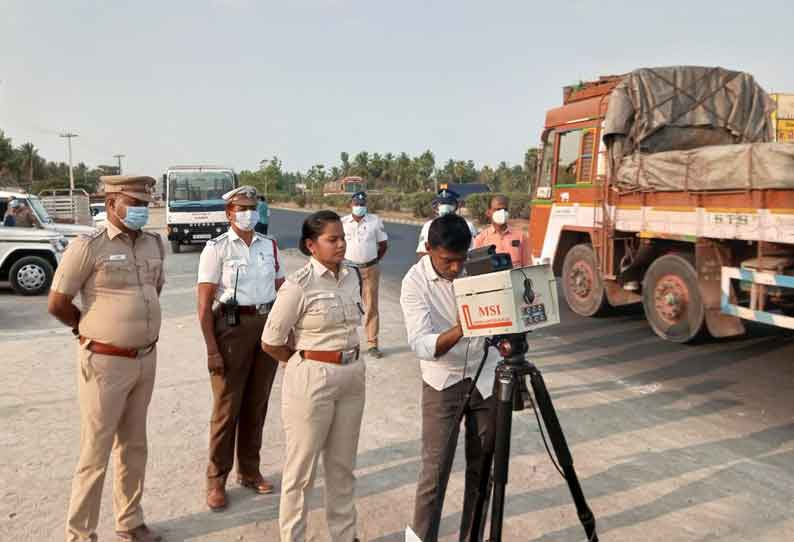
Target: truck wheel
{"x": 176, "y": 247}
{"x": 671, "y": 299}
{"x": 30, "y": 275}
{"x": 582, "y": 285}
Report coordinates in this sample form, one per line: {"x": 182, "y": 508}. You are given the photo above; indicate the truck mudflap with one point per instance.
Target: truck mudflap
{"x": 755, "y": 311}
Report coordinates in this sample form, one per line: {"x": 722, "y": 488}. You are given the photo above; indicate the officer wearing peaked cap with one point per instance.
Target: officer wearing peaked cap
{"x": 118, "y": 273}
{"x": 445, "y": 202}
{"x": 238, "y": 276}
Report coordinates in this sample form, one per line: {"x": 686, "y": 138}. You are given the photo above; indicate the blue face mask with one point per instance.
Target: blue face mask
{"x": 359, "y": 210}
{"x": 136, "y": 218}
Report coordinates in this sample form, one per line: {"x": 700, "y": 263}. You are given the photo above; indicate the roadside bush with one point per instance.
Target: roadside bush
{"x": 420, "y": 204}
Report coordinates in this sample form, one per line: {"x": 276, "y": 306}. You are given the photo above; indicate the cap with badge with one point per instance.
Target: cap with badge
{"x": 360, "y": 197}
{"x": 244, "y": 195}
{"x": 447, "y": 196}
{"x": 136, "y": 186}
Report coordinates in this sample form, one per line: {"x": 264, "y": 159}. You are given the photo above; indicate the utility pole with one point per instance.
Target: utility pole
{"x": 262, "y": 166}
{"x": 69, "y": 136}
{"x": 119, "y": 157}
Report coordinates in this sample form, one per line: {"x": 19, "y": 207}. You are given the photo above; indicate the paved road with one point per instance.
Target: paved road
{"x": 689, "y": 443}
{"x": 286, "y": 226}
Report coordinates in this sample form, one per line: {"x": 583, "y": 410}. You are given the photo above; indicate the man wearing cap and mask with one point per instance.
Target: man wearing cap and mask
{"x": 500, "y": 234}
{"x": 366, "y": 245}
{"x": 118, "y": 272}
{"x": 239, "y": 273}
{"x": 445, "y": 202}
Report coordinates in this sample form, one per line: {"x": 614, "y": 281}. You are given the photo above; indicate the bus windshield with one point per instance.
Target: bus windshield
{"x": 198, "y": 188}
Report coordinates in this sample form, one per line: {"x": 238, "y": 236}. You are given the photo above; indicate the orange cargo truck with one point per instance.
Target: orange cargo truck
{"x": 666, "y": 187}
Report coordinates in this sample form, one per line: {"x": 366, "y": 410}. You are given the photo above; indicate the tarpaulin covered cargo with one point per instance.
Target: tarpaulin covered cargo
{"x": 673, "y": 108}
{"x": 721, "y": 167}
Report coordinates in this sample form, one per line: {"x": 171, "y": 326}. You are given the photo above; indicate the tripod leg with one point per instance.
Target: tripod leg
{"x": 563, "y": 453}
{"x": 481, "y": 506}
{"x": 505, "y": 389}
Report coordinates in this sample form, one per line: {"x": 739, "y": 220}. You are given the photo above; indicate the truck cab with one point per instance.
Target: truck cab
{"x": 195, "y": 209}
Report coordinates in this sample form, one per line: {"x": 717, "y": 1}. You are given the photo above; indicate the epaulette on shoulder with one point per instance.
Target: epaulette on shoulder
{"x": 222, "y": 236}
{"x": 265, "y": 236}
{"x": 302, "y": 275}
{"x": 153, "y": 234}
{"x": 96, "y": 234}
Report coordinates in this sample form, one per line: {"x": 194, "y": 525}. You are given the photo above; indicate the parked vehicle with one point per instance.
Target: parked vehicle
{"x": 66, "y": 206}
{"x": 99, "y": 214}
{"x": 663, "y": 187}
{"x": 42, "y": 216}
{"x": 195, "y": 211}
{"x": 28, "y": 258}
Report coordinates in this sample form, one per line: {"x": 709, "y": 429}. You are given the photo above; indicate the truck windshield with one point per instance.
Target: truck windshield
{"x": 39, "y": 210}
{"x": 204, "y": 189}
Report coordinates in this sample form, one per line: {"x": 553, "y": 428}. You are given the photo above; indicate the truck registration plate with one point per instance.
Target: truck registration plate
{"x": 202, "y": 236}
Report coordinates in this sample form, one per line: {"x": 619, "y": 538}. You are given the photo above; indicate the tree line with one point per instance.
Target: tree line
{"x": 23, "y": 167}
{"x": 390, "y": 172}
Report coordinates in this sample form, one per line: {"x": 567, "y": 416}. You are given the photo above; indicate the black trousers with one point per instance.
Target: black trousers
{"x": 438, "y": 414}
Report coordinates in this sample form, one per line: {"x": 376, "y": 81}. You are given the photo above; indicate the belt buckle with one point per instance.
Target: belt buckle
{"x": 349, "y": 356}
{"x": 264, "y": 309}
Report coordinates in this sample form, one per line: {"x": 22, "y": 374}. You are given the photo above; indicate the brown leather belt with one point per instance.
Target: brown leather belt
{"x": 110, "y": 350}
{"x": 337, "y": 358}
{"x": 261, "y": 310}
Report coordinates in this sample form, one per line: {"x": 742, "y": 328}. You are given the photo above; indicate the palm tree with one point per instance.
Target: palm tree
{"x": 28, "y": 154}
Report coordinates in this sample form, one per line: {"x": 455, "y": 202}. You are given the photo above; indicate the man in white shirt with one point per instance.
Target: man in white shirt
{"x": 448, "y": 363}
{"x": 446, "y": 202}
{"x": 366, "y": 244}
{"x": 239, "y": 273}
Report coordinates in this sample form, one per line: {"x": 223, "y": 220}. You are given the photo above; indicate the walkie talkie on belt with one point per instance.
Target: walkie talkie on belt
{"x": 232, "y": 308}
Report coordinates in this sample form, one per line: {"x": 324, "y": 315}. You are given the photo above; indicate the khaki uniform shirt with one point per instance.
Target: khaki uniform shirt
{"x": 118, "y": 281}
{"x": 323, "y": 310}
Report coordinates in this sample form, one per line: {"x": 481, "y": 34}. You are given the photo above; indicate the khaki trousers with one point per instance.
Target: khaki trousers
{"x": 240, "y": 399}
{"x": 370, "y": 280}
{"x": 114, "y": 394}
{"x": 321, "y": 408}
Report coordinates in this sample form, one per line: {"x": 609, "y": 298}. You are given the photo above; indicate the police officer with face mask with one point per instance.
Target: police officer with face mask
{"x": 118, "y": 272}
{"x": 446, "y": 202}
{"x": 239, "y": 274}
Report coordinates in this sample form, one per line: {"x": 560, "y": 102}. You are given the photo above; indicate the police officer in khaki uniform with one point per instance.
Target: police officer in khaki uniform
{"x": 239, "y": 273}
{"x": 322, "y": 394}
{"x": 118, "y": 273}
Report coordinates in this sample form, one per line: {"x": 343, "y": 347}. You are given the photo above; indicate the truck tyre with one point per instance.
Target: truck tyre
{"x": 582, "y": 284}
{"x": 31, "y": 275}
{"x": 176, "y": 247}
{"x": 671, "y": 299}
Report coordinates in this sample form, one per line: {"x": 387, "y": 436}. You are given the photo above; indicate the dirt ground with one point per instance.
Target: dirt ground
{"x": 671, "y": 443}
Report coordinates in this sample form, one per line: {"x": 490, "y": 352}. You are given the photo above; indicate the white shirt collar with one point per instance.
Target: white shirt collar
{"x": 234, "y": 237}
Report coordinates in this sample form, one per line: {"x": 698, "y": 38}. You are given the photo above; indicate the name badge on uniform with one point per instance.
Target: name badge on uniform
{"x": 117, "y": 258}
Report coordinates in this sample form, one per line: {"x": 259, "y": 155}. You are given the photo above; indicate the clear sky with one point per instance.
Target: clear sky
{"x": 236, "y": 81}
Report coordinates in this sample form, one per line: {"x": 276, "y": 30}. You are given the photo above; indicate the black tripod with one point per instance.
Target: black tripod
{"x": 510, "y": 390}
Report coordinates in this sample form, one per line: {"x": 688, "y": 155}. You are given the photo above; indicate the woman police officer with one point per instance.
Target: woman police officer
{"x": 322, "y": 394}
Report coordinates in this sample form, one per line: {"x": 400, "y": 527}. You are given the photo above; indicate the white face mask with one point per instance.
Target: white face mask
{"x": 246, "y": 220}
{"x": 500, "y": 217}
{"x": 359, "y": 210}
{"x": 445, "y": 209}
